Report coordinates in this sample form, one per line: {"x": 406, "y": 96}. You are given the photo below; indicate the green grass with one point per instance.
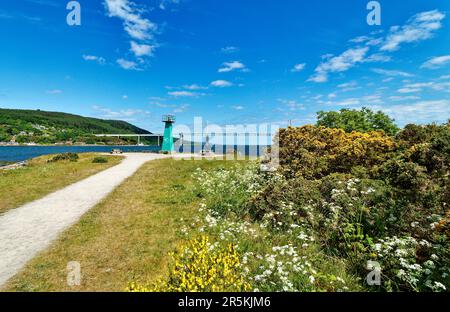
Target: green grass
{"x": 40, "y": 178}
{"x": 126, "y": 237}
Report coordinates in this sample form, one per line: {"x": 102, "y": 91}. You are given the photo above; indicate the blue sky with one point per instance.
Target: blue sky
{"x": 230, "y": 62}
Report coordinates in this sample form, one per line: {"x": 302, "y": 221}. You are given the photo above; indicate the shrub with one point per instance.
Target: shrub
{"x": 351, "y": 213}
{"x": 364, "y": 120}
{"x": 404, "y": 270}
{"x": 314, "y": 152}
{"x": 202, "y": 266}
{"x": 405, "y": 175}
{"x": 227, "y": 190}
{"x": 73, "y": 157}
{"x": 100, "y": 160}
{"x": 434, "y": 153}
{"x": 417, "y": 134}
{"x": 284, "y": 200}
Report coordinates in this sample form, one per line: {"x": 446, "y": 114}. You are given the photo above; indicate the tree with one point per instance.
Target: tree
{"x": 364, "y": 120}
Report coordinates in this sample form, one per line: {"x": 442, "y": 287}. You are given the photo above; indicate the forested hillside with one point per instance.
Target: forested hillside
{"x": 38, "y": 126}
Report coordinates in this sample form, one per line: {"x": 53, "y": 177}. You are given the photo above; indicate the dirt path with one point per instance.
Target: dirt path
{"x": 29, "y": 229}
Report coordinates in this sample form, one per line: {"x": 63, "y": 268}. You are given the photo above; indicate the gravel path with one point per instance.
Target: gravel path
{"x": 29, "y": 229}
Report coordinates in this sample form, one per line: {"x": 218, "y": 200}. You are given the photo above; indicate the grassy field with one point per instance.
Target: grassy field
{"x": 126, "y": 237}
{"x": 40, "y": 178}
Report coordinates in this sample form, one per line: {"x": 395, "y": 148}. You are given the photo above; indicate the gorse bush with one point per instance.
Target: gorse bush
{"x": 314, "y": 152}
{"x": 202, "y": 266}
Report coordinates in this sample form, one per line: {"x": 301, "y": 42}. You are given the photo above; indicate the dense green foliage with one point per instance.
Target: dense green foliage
{"x": 64, "y": 156}
{"x": 53, "y": 127}
{"x": 314, "y": 152}
{"x": 100, "y": 160}
{"x": 364, "y": 120}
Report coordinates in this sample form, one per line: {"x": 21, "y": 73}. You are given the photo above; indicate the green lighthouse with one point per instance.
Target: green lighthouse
{"x": 167, "y": 145}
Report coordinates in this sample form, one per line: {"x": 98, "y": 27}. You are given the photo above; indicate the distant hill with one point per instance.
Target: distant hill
{"x": 53, "y": 127}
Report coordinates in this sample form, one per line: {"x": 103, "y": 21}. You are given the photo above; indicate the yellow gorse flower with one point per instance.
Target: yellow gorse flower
{"x": 201, "y": 266}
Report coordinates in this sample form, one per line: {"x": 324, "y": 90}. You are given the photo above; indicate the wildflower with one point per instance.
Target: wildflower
{"x": 439, "y": 285}
{"x": 202, "y": 266}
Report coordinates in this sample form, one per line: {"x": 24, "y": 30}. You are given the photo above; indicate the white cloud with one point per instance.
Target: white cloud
{"x": 141, "y": 49}
{"x": 348, "y": 102}
{"x": 293, "y": 105}
{"x": 194, "y": 87}
{"x": 231, "y": 66}
{"x": 367, "y": 40}
{"x": 340, "y": 63}
{"x": 184, "y": 94}
{"x": 360, "y": 39}
{"x": 124, "y": 97}
{"x": 181, "y": 109}
{"x": 391, "y": 73}
{"x": 375, "y": 42}
{"x": 100, "y": 60}
{"x": 443, "y": 86}
{"x": 345, "y": 102}
{"x": 397, "y": 98}
{"x": 418, "y": 28}
{"x": 57, "y": 91}
{"x": 378, "y": 58}
{"x": 417, "y": 87}
{"x": 409, "y": 90}
{"x": 230, "y": 49}
{"x": 420, "y": 85}
{"x": 298, "y": 68}
{"x": 445, "y": 77}
{"x": 372, "y": 99}
{"x": 128, "y": 65}
{"x": 134, "y": 24}
{"x": 237, "y": 107}
{"x": 347, "y": 85}
{"x": 125, "y": 114}
{"x": 221, "y": 84}
{"x": 420, "y": 112}
{"x": 436, "y": 62}
{"x": 163, "y": 4}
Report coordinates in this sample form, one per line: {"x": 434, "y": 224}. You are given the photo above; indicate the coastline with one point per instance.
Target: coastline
{"x": 16, "y": 153}
{"x": 74, "y": 145}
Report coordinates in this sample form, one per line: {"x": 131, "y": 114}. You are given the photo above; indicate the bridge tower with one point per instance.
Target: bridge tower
{"x": 167, "y": 145}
